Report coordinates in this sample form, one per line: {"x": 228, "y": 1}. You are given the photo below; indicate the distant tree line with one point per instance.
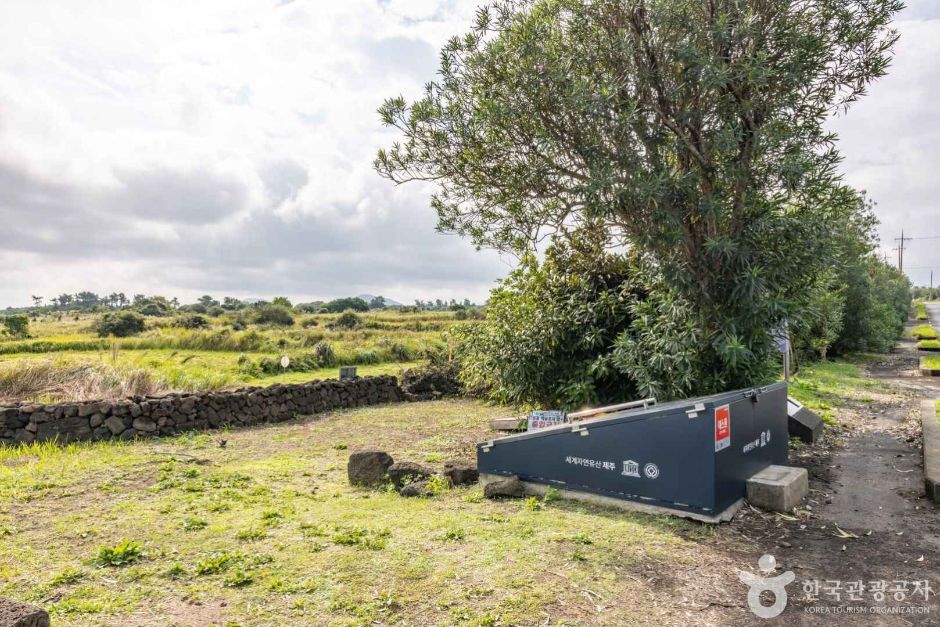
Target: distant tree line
{"x": 86, "y": 301}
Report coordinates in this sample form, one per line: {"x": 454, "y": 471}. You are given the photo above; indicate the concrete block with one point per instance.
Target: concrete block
{"x": 931, "y": 431}
{"x": 778, "y": 488}
{"x": 16, "y": 614}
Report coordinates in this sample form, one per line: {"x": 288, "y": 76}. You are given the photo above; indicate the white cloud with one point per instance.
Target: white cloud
{"x": 226, "y": 146}
{"x": 218, "y": 146}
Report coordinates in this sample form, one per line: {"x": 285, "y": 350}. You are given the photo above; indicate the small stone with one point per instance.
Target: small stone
{"x": 510, "y": 488}
{"x": 403, "y": 473}
{"x": 368, "y": 467}
{"x": 419, "y": 488}
{"x": 96, "y": 420}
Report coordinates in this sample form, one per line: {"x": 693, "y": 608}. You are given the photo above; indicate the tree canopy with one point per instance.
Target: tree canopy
{"x": 694, "y": 130}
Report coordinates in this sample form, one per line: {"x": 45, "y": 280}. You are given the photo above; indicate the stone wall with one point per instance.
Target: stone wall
{"x": 162, "y": 415}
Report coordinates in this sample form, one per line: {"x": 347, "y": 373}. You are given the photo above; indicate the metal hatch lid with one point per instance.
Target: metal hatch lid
{"x": 634, "y": 415}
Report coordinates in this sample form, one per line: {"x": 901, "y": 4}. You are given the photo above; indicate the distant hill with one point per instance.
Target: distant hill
{"x": 388, "y": 301}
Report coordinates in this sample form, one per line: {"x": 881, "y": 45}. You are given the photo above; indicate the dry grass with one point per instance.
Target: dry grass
{"x": 51, "y": 381}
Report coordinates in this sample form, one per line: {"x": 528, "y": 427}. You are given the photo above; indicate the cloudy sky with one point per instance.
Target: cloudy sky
{"x": 185, "y": 147}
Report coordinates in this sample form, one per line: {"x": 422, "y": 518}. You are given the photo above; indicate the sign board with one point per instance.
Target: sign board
{"x": 722, "y": 427}
{"x": 285, "y": 362}
{"x": 544, "y": 419}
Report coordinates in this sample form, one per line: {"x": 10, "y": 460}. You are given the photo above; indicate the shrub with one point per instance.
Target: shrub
{"x": 347, "y": 320}
{"x": 550, "y": 328}
{"x": 877, "y": 304}
{"x": 309, "y": 322}
{"x": 924, "y": 332}
{"x": 192, "y": 322}
{"x": 433, "y": 379}
{"x": 324, "y": 353}
{"x": 272, "y": 314}
{"x": 929, "y": 345}
{"x": 16, "y": 326}
{"x": 120, "y": 324}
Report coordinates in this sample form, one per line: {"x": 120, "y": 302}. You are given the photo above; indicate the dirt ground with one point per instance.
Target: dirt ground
{"x": 866, "y": 518}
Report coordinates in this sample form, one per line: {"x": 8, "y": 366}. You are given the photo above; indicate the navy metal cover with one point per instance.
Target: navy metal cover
{"x": 664, "y": 455}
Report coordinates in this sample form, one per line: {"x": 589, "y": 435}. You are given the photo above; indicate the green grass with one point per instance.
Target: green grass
{"x": 920, "y": 311}
{"x": 219, "y": 356}
{"x": 929, "y": 345}
{"x": 827, "y": 386}
{"x": 924, "y": 332}
{"x": 932, "y": 362}
{"x": 268, "y": 531}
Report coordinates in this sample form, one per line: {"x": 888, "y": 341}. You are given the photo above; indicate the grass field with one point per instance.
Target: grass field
{"x": 173, "y": 358}
{"x": 268, "y": 531}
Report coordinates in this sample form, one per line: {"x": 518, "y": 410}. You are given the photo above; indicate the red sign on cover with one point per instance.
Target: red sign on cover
{"x": 722, "y": 427}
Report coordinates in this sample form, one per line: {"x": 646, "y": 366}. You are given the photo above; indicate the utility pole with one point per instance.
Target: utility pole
{"x": 902, "y": 239}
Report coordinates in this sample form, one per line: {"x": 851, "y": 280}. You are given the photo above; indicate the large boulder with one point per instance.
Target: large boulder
{"x": 404, "y": 473}
{"x": 461, "y": 473}
{"x": 368, "y": 468}
{"x": 16, "y": 614}
{"x": 509, "y": 488}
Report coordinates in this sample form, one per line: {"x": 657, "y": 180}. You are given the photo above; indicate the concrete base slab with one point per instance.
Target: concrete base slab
{"x": 931, "y": 432}
{"x": 778, "y": 488}
{"x": 539, "y": 489}
{"x": 508, "y": 424}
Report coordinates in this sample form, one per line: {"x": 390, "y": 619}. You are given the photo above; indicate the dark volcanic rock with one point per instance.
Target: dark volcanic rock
{"x": 368, "y": 467}
{"x": 404, "y": 473}
{"x": 16, "y": 614}
{"x": 461, "y": 473}
{"x": 418, "y": 488}
{"x": 509, "y": 488}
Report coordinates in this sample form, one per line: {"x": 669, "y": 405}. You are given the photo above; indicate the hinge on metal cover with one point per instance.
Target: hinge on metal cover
{"x": 486, "y": 446}
{"x": 694, "y": 411}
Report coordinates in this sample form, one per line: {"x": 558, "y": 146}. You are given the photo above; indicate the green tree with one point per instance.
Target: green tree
{"x": 342, "y": 304}
{"x": 694, "y": 130}
{"x": 16, "y": 326}
{"x": 120, "y": 324}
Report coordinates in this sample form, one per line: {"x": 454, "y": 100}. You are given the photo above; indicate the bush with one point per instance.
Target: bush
{"x": 120, "y": 324}
{"x": 432, "y": 380}
{"x": 192, "y": 322}
{"x": 924, "y": 332}
{"x": 309, "y": 323}
{"x": 551, "y": 328}
{"x": 16, "y": 326}
{"x": 877, "y": 304}
{"x": 273, "y": 314}
{"x": 347, "y": 320}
